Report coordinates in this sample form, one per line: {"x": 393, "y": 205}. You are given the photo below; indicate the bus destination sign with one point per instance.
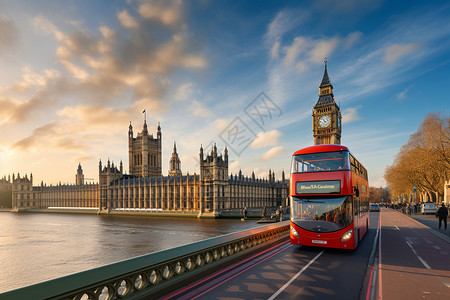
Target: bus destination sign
{"x": 318, "y": 187}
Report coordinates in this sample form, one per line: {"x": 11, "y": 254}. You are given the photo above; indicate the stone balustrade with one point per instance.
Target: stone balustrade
{"x": 155, "y": 274}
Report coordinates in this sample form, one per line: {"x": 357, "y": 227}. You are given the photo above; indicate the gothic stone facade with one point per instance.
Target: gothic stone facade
{"x": 327, "y": 119}
{"x": 211, "y": 192}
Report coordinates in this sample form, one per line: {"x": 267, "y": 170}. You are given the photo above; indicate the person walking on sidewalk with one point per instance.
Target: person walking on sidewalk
{"x": 442, "y": 214}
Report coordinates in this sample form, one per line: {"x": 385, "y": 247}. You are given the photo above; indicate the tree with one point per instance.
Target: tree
{"x": 424, "y": 161}
{"x": 379, "y": 195}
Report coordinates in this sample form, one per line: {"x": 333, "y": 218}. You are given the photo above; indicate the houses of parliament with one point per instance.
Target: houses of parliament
{"x": 213, "y": 192}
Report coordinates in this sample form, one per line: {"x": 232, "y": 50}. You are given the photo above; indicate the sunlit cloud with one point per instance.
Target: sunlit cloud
{"x": 167, "y": 12}
{"x": 272, "y": 153}
{"x": 96, "y": 115}
{"x": 351, "y": 115}
{"x": 233, "y": 168}
{"x": 265, "y": 139}
{"x": 183, "y": 92}
{"x": 198, "y": 109}
{"x": 126, "y": 20}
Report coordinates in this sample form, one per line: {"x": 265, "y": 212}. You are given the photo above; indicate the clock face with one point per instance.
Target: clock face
{"x": 324, "y": 121}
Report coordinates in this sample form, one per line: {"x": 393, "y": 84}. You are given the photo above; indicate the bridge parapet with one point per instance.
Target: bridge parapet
{"x": 154, "y": 274}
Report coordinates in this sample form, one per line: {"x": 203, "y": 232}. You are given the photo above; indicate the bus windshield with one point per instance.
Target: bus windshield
{"x": 322, "y": 214}
{"x": 320, "y": 162}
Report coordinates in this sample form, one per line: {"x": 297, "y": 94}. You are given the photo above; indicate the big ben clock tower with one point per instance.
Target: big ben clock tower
{"x": 326, "y": 115}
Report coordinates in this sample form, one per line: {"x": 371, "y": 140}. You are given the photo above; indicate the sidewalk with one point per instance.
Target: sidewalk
{"x": 432, "y": 223}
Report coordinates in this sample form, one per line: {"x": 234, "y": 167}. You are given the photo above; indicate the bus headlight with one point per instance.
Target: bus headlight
{"x": 294, "y": 232}
{"x": 346, "y": 236}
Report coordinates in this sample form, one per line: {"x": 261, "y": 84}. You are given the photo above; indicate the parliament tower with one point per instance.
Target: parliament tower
{"x": 175, "y": 163}
{"x": 144, "y": 152}
{"x": 326, "y": 115}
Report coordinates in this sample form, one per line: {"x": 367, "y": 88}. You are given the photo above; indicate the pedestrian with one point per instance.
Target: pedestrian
{"x": 442, "y": 214}
{"x": 281, "y": 213}
{"x": 263, "y": 213}
{"x": 245, "y": 212}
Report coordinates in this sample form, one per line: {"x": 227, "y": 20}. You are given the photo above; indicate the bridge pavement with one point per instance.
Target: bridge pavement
{"x": 413, "y": 258}
{"x": 399, "y": 258}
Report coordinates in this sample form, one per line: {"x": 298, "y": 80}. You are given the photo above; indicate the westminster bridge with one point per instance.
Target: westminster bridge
{"x": 401, "y": 257}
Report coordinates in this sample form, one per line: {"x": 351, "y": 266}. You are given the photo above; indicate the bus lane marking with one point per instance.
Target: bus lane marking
{"x": 295, "y": 276}
{"x": 418, "y": 256}
{"x": 235, "y": 270}
{"x": 447, "y": 284}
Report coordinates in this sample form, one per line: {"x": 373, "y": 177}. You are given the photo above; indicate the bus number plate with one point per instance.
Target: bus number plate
{"x": 319, "y": 242}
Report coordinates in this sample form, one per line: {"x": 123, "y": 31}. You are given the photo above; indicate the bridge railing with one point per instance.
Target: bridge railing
{"x": 154, "y": 274}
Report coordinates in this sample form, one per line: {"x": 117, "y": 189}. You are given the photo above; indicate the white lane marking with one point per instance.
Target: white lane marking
{"x": 397, "y": 228}
{"x": 436, "y": 247}
{"x": 420, "y": 258}
{"x": 295, "y": 277}
{"x": 380, "y": 264}
{"x": 447, "y": 284}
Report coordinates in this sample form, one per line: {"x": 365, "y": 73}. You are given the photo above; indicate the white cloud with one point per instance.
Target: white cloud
{"x": 275, "y": 50}
{"x": 402, "y": 94}
{"x": 221, "y": 123}
{"x": 283, "y": 22}
{"x": 264, "y": 139}
{"x": 90, "y": 115}
{"x": 167, "y": 12}
{"x": 234, "y": 167}
{"x": 351, "y": 115}
{"x": 76, "y": 71}
{"x": 323, "y": 48}
{"x": 279, "y": 25}
{"x": 198, "y": 109}
{"x": 126, "y": 19}
{"x": 351, "y": 39}
{"x": 397, "y": 51}
{"x": 274, "y": 152}
{"x": 298, "y": 46}
{"x": 183, "y": 92}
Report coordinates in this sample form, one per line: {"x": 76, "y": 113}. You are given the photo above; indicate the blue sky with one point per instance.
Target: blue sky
{"x": 75, "y": 73}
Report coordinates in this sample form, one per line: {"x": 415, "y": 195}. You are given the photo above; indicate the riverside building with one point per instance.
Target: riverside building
{"x": 213, "y": 192}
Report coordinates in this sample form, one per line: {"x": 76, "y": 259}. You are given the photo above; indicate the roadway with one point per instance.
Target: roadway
{"x": 399, "y": 258}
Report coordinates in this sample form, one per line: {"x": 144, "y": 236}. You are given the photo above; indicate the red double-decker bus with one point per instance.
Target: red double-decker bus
{"x": 329, "y": 197}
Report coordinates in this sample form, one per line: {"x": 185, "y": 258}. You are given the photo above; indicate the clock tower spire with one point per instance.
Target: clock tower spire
{"x": 326, "y": 114}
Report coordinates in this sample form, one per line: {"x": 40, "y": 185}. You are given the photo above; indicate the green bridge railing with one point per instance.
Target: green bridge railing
{"x": 154, "y": 274}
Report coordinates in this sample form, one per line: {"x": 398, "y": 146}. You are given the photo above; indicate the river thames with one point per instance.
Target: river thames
{"x": 35, "y": 247}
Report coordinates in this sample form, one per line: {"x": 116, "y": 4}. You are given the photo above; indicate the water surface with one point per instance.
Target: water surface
{"x": 37, "y": 247}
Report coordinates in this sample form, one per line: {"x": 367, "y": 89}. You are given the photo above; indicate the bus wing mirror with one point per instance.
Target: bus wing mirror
{"x": 356, "y": 191}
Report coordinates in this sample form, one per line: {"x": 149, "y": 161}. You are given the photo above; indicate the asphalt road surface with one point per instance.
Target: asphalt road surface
{"x": 399, "y": 258}
{"x": 288, "y": 271}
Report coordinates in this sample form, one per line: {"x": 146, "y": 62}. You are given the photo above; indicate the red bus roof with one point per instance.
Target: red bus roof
{"x": 321, "y": 148}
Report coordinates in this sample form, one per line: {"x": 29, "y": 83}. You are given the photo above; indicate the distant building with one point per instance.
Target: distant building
{"x": 5, "y": 192}
{"x": 145, "y": 152}
{"x": 213, "y": 192}
{"x": 79, "y": 178}
{"x": 175, "y": 163}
